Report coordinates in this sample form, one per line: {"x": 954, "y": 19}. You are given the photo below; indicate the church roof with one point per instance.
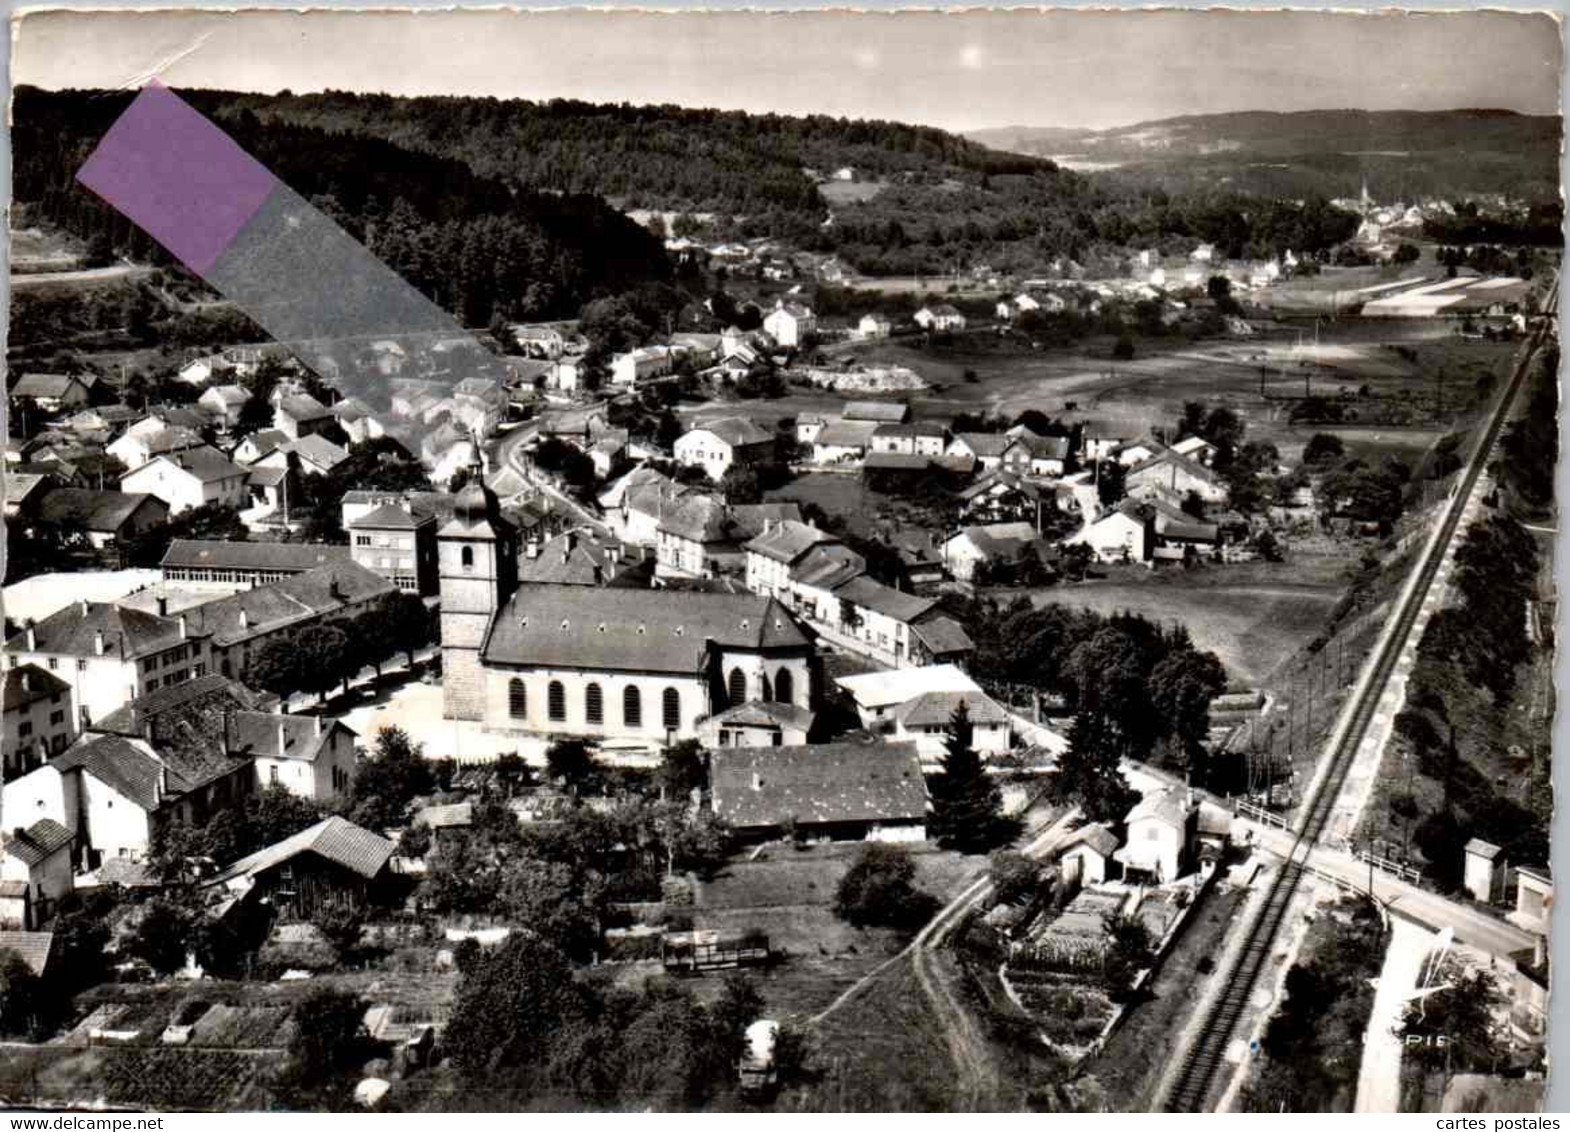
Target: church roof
{"x": 585, "y": 627}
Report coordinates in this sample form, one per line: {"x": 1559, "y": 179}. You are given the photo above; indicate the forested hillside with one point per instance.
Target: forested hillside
{"x": 477, "y": 244}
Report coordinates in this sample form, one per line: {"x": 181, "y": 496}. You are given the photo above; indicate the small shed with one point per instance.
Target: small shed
{"x": 1087, "y": 856}
{"x": 1484, "y": 876}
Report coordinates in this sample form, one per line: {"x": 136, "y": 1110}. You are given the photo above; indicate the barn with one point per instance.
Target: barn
{"x": 838, "y": 791}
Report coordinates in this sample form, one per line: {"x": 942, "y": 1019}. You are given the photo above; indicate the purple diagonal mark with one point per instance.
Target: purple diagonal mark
{"x": 179, "y": 177}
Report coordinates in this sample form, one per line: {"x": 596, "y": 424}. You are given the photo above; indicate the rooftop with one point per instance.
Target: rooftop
{"x": 334, "y": 839}
{"x": 885, "y": 689}
{"x": 223, "y": 554}
{"x": 557, "y": 626}
{"x": 738, "y": 432}
{"x": 831, "y": 782}
{"x": 37, "y": 843}
{"x": 28, "y": 683}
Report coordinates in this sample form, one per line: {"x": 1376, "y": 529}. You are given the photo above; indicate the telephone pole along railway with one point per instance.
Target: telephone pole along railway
{"x": 1203, "y": 1061}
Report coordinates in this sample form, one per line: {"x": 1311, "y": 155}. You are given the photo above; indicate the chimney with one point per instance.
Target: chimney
{"x": 572, "y": 541}
{"x": 532, "y": 550}
{"x": 32, "y": 639}
{"x": 1540, "y": 951}
{"x": 98, "y": 642}
{"x": 599, "y": 576}
{"x": 768, "y": 525}
{"x": 318, "y": 725}
{"x": 163, "y": 606}
{"x": 245, "y": 619}
{"x": 86, "y": 608}
{"x": 163, "y": 779}
{"x": 283, "y": 738}
{"x": 757, "y": 781}
{"x": 184, "y": 630}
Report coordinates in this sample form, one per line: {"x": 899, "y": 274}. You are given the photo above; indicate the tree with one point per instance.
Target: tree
{"x": 1323, "y": 448}
{"x": 342, "y": 925}
{"x": 510, "y": 1005}
{"x": 385, "y": 784}
{"x": 1123, "y": 348}
{"x": 1129, "y": 951}
{"x": 739, "y": 485}
{"x": 545, "y": 897}
{"x": 879, "y": 890}
{"x": 570, "y": 762}
{"x": 25, "y": 1001}
{"x": 967, "y": 812}
{"x": 328, "y": 1038}
{"x": 162, "y": 935}
{"x": 1193, "y": 505}
{"x": 1465, "y": 1013}
{"x": 1089, "y": 774}
{"x": 408, "y": 623}
{"x": 683, "y": 769}
{"x": 1015, "y": 877}
{"x": 275, "y": 667}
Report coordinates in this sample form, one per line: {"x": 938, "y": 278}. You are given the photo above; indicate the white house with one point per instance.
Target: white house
{"x": 916, "y": 703}
{"x": 1196, "y": 448}
{"x": 641, "y": 364}
{"x": 305, "y": 754}
{"x": 717, "y": 445}
{"x": 35, "y": 873}
{"x": 1124, "y": 534}
{"x": 940, "y": 317}
{"x": 789, "y": 324}
{"x": 225, "y": 403}
{"x": 190, "y": 479}
{"x": 1162, "y": 829}
{"x": 1174, "y": 475}
{"x": 874, "y": 326}
{"x": 843, "y": 442}
{"x": 135, "y": 448}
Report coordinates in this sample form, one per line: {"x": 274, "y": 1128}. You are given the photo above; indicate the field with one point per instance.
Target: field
{"x": 1254, "y": 616}
{"x": 849, "y": 192}
{"x": 788, "y": 894}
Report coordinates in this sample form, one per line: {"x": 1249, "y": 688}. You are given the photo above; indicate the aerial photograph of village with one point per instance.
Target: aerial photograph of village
{"x": 804, "y": 562}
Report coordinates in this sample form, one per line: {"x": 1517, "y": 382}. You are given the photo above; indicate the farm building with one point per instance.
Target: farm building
{"x": 333, "y": 863}
{"x": 843, "y": 791}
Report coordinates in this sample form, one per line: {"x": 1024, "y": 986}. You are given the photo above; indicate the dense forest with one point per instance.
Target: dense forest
{"x": 476, "y": 244}
{"x": 932, "y": 202}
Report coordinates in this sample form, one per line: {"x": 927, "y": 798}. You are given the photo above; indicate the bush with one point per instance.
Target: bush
{"x": 879, "y": 890}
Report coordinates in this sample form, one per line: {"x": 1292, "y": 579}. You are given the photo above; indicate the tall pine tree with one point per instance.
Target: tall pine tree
{"x": 1088, "y": 774}
{"x": 967, "y": 807}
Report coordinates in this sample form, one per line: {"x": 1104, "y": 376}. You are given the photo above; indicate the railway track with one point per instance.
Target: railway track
{"x": 1191, "y": 1089}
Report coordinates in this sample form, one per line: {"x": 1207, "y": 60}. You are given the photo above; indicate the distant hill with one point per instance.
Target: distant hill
{"x": 1403, "y": 153}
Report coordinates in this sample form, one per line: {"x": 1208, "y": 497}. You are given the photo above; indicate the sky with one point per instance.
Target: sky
{"x": 955, "y": 70}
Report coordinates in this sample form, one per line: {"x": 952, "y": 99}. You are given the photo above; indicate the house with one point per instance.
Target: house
{"x": 915, "y": 438}
{"x": 881, "y": 622}
{"x": 227, "y": 566}
{"x": 774, "y": 553}
{"x": 843, "y": 442}
{"x": 1534, "y": 898}
{"x": 136, "y": 447}
{"x": 397, "y": 543}
{"x": 757, "y": 723}
{"x": 925, "y": 719}
{"x": 881, "y": 412}
{"x": 36, "y": 949}
{"x": 578, "y": 558}
{"x": 24, "y": 491}
{"x": 1126, "y": 533}
{"x": 225, "y": 403}
{"x": 308, "y": 756}
{"x": 877, "y": 695}
{"x": 808, "y": 427}
{"x": 1098, "y": 446}
{"x": 1088, "y": 856}
{"x": 258, "y": 445}
{"x": 359, "y": 424}
{"x": 1204, "y": 253}
{"x": 837, "y": 791}
{"x": 271, "y": 490}
{"x": 39, "y": 718}
{"x": 608, "y": 452}
{"x": 986, "y": 448}
{"x": 332, "y": 864}
{"x": 301, "y": 415}
{"x": 976, "y": 546}
{"x": 873, "y": 327}
{"x": 479, "y": 404}
{"x": 199, "y": 371}
{"x": 701, "y": 535}
{"x": 1003, "y": 496}
{"x": 920, "y": 558}
{"x": 190, "y": 479}
{"x": 1196, "y": 448}
{"x": 790, "y": 324}
{"x": 114, "y": 794}
{"x": 635, "y": 504}
{"x": 313, "y": 454}
{"x": 101, "y": 518}
{"x": 641, "y": 364}
{"x": 51, "y": 392}
{"x": 719, "y": 444}
{"x": 1162, "y": 832}
{"x": 35, "y": 873}
{"x": 1175, "y": 528}
{"x": 1134, "y": 452}
{"x": 1175, "y": 476}
{"x": 109, "y": 654}
{"x": 939, "y": 318}
{"x": 1032, "y": 455}
{"x": 539, "y": 340}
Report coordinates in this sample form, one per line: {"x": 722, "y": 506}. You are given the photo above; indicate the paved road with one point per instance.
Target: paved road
{"x": 1379, "y": 1074}
{"x": 510, "y": 452}
{"x": 88, "y": 275}
{"x": 1479, "y": 929}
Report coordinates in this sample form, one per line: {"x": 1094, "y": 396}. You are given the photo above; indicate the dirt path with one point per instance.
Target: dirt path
{"x": 1379, "y": 1074}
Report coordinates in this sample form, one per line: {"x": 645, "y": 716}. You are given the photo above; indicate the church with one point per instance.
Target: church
{"x": 618, "y": 665}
